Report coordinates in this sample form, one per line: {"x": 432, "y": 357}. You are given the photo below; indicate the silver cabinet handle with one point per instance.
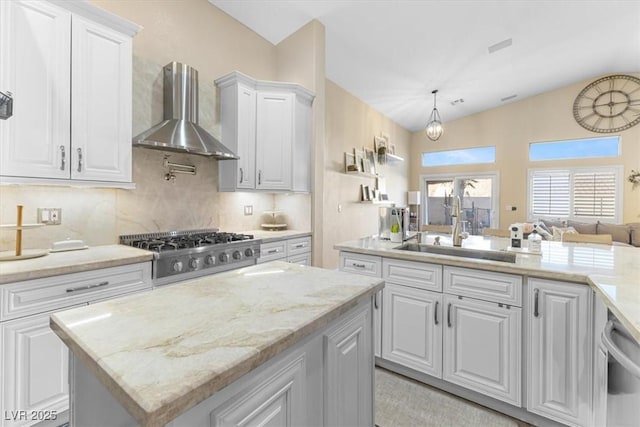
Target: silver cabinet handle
{"x": 375, "y": 300}
{"x": 449, "y": 315}
{"x": 79, "y": 159}
{"x": 259, "y": 177}
{"x": 241, "y": 175}
{"x": 272, "y": 251}
{"x": 615, "y": 351}
{"x": 435, "y": 313}
{"x": 535, "y": 302}
{"x": 84, "y": 288}
{"x": 301, "y": 245}
{"x": 63, "y": 158}
{"x": 357, "y": 265}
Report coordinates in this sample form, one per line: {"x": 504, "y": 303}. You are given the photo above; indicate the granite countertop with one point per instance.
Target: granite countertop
{"x": 273, "y": 236}
{"x": 220, "y": 327}
{"x": 66, "y": 262}
{"x": 612, "y": 271}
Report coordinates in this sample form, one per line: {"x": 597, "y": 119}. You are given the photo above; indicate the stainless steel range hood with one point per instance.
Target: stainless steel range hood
{"x": 180, "y": 130}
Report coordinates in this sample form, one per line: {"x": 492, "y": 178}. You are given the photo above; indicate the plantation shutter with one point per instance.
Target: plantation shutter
{"x": 551, "y": 193}
{"x": 594, "y": 194}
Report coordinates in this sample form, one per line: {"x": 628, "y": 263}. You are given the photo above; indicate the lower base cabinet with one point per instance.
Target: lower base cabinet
{"x": 482, "y": 343}
{"x": 412, "y": 328}
{"x": 35, "y": 382}
{"x": 560, "y": 351}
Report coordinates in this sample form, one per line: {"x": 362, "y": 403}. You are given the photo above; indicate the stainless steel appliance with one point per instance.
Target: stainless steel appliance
{"x": 388, "y": 216}
{"x": 179, "y": 131}
{"x": 180, "y": 255}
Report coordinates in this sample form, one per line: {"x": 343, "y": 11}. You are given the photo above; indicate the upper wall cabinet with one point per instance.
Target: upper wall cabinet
{"x": 268, "y": 125}
{"x": 69, "y": 68}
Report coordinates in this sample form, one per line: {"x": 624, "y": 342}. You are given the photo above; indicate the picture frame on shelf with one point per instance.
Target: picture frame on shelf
{"x": 350, "y": 165}
{"x": 366, "y": 193}
{"x": 359, "y": 156}
{"x": 381, "y": 184}
{"x": 370, "y": 157}
{"x": 384, "y": 197}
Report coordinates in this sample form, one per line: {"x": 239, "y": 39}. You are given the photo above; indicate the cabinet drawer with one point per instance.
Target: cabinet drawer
{"x": 298, "y": 246}
{"x": 56, "y": 292}
{"x": 369, "y": 265}
{"x": 415, "y": 274}
{"x": 302, "y": 259}
{"x": 484, "y": 285}
{"x": 273, "y": 251}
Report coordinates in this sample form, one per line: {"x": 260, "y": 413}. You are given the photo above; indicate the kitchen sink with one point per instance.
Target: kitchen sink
{"x": 459, "y": 252}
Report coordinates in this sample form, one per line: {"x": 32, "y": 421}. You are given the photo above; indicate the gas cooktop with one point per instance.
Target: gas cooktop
{"x": 180, "y": 255}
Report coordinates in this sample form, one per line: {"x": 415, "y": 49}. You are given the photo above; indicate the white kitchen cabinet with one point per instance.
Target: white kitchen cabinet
{"x": 33, "y": 360}
{"x": 412, "y": 328}
{"x": 34, "y": 371}
{"x": 482, "y": 343}
{"x": 268, "y": 125}
{"x": 348, "y": 372}
{"x": 559, "y": 371}
{"x": 368, "y": 265}
{"x": 69, "y": 67}
{"x": 296, "y": 250}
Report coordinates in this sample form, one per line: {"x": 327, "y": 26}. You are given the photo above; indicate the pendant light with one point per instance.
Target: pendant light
{"x": 434, "y": 128}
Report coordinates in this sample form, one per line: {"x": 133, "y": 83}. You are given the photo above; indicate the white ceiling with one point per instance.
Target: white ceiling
{"x": 392, "y": 54}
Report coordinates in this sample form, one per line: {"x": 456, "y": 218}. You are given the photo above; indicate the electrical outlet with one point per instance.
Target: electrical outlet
{"x": 248, "y": 210}
{"x": 50, "y": 216}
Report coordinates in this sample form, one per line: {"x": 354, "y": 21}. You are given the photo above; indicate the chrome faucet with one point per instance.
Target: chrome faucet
{"x": 456, "y": 234}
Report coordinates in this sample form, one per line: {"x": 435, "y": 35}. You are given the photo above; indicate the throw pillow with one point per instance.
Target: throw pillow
{"x": 619, "y": 233}
{"x": 583, "y": 227}
{"x": 635, "y": 233}
{"x": 559, "y": 231}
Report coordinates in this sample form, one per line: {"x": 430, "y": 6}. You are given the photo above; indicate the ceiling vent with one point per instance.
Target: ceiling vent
{"x": 501, "y": 45}
{"x": 508, "y": 98}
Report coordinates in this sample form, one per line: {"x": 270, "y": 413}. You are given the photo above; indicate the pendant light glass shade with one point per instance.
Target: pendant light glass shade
{"x": 434, "y": 128}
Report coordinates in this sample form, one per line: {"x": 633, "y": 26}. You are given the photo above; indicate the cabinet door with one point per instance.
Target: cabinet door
{"x": 412, "y": 328}
{"x": 377, "y": 324}
{"x": 302, "y": 259}
{"x": 559, "y": 355}
{"x": 274, "y": 137}
{"x": 482, "y": 347}
{"x": 101, "y": 103}
{"x": 35, "y": 49}
{"x": 34, "y": 369}
{"x": 246, "y": 138}
{"x": 349, "y": 372}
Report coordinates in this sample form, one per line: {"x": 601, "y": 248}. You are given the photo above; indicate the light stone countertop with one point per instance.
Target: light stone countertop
{"x": 162, "y": 352}
{"x": 612, "y": 271}
{"x": 66, "y": 262}
{"x": 273, "y": 236}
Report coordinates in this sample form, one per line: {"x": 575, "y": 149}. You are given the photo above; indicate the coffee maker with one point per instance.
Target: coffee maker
{"x": 387, "y": 216}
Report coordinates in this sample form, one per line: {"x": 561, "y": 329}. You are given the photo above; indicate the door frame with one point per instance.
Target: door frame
{"x": 495, "y": 191}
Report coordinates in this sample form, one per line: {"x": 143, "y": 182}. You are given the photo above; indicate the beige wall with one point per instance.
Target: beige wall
{"x": 350, "y": 124}
{"x": 196, "y": 33}
{"x": 546, "y": 117}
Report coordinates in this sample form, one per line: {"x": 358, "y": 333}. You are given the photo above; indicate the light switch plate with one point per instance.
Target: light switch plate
{"x": 248, "y": 210}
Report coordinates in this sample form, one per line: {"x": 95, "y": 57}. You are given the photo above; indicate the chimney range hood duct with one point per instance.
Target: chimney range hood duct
{"x": 180, "y": 130}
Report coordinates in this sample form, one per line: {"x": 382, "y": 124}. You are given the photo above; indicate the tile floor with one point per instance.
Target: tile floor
{"x": 403, "y": 402}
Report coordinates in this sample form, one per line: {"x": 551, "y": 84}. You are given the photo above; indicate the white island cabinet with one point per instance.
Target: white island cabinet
{"x": 34, "y": 361}
{"x": 284, "y": 345}
{"x": 68, "y": 66}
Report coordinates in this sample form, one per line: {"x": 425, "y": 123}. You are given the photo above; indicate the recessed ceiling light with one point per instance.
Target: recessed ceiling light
{"x": 501, "y": 45}
{"x": 457, "y": 101}
{"x": 508, "y": 98}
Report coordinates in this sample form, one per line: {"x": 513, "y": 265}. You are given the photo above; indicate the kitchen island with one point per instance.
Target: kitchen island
{"x": 273, "y": 340}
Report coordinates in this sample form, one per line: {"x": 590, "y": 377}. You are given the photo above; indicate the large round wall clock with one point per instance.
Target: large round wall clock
{"x": 610, "y": 104}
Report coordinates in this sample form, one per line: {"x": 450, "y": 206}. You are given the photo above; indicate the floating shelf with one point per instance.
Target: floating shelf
{"x": 377, "y": 202}
{"x": 394, "y": 158}
{"x": 361, "y": 174}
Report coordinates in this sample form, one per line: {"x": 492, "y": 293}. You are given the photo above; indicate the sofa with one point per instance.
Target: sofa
{"x": 628, "y": 234}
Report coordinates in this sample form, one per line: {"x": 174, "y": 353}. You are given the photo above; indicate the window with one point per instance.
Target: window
{"x": 459, "y": 157}
{"x": 576, "y": 193}
{"x": 575, "y": 149}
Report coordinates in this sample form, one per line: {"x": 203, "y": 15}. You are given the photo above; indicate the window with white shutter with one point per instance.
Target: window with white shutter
{"x": 576, "y": 193}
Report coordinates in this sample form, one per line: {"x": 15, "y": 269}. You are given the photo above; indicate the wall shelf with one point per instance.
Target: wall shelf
{"x": 361, "y": 174}
{"x": 394, "y": 158}
{"x": 377, "y": 202}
